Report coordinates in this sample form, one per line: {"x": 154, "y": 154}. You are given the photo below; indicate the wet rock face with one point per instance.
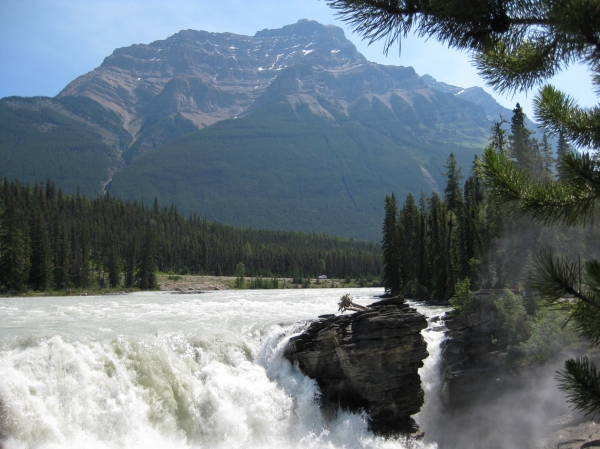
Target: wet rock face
{"x": 580, "y": 436}
{"x": 473, "y": 367}
{"x": 367, "y": 361}
{"x": 492, "y": 403}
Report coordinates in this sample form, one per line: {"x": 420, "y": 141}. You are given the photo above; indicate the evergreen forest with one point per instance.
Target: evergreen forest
{"x": 462, "y": 239}
{"x": 53, "y": 241}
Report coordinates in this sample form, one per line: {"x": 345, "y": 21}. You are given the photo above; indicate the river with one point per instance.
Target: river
{"x": 159, "y": 370}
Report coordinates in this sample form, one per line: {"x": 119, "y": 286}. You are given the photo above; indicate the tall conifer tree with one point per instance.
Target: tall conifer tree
{"x": 13, "y": 265}
{"x": 520, "y": 140}
{"x": 453, "y": 190}
{"x": 130, "y": 262}
{"x": 145, "y": 273}
{"x": 62, "y": 257}
{"x": 391, "y": 247}
{"x": 113, "y": 266}
{"x": 40, "y": 272}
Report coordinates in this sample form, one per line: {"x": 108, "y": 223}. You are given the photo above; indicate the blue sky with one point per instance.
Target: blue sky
{"x": 45, "y": 44}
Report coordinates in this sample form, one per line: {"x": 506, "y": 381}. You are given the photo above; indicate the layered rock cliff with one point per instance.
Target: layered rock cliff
{"x": 207, "y": 77}
{"x": 470, "y": 358}
{"x": 368, "y": 361}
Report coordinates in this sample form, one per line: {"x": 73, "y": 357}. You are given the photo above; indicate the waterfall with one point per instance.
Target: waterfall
{"x": 431, "y": 381}
{"x": 166, "y": 371}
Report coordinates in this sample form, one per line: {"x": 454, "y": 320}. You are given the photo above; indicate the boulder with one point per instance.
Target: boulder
{"x": 369, "y": 361}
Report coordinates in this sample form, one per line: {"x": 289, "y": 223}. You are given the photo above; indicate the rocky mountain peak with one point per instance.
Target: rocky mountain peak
{"x": 473, "y": 94}
{"x": 207, "y": 77}
{"x": 327, "y": 35}
{"x": 194, "y": 79}
{"x": 303, "y": 27}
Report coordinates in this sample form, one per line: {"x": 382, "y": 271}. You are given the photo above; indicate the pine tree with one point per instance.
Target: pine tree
{"x": 391, "y": 247}
{"x": 80, "y": 246}
{"x": 547, "y": 159}
{"x": 520, "y": 140}
{"x": 145, "y": 272}
{"x": 13, "y": 266}
{"x": 114, "y": 267}
{"x": 562, "y": 147}
{"x": 498, "y": 138}
{"x": 409, "y": 245}
{"x": 423, "y": 254}
{"x": 130, "y": 263}
{"x": 453, "y": 200}
{"x": 40, "y": 272}
{"x": 439, "y": 263}
{"x": 452, "y": 192}
{"x": 473, "y": 225}
{"x": 62, "y": 257}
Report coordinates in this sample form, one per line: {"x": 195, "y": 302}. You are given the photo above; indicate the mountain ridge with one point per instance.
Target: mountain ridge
{"x": 159, "y": 101}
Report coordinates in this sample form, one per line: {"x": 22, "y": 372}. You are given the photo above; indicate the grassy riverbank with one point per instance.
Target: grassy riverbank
{"x": 199, "y": 282}
{"x": 169, "y": 282}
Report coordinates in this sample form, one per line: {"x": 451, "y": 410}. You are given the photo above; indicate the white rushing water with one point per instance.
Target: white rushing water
{"x": 431, "y": 414}
{"x": 156, "y": 370}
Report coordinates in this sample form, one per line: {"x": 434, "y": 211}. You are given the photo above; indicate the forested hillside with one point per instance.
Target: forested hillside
{"x": 283, "y": 167}
{"x": 40, "y": 140}
{"x": 49, "y": 240}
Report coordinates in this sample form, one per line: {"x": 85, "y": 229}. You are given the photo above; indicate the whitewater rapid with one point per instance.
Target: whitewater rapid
{"x": 157, "y": 370}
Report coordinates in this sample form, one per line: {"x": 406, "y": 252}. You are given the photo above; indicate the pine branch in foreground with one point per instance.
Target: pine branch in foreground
{"x": 581, "y": 383}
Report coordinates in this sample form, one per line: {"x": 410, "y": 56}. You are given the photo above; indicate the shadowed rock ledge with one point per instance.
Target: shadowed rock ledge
{"x": 367, "y": 360}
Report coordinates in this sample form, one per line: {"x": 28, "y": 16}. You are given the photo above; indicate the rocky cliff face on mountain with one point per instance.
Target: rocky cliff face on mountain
{"x": 207, "y": 77}
{"x": 369, "y": 361}
{"x": 143, "y": 124}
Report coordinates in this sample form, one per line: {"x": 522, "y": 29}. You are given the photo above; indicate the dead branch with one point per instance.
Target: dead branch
{"x": 346, "y": 303}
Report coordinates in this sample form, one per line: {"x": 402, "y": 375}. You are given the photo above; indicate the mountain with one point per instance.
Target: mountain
{"x": 479, "y": 96}
{"x": 290, "y": 128}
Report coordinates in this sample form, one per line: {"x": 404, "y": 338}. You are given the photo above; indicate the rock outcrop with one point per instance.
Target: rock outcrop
{"x": 368, "y": 360}
{"x": 575, "y": 437}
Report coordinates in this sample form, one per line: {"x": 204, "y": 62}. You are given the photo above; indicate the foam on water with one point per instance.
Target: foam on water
{"x": 165, "y": 371}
